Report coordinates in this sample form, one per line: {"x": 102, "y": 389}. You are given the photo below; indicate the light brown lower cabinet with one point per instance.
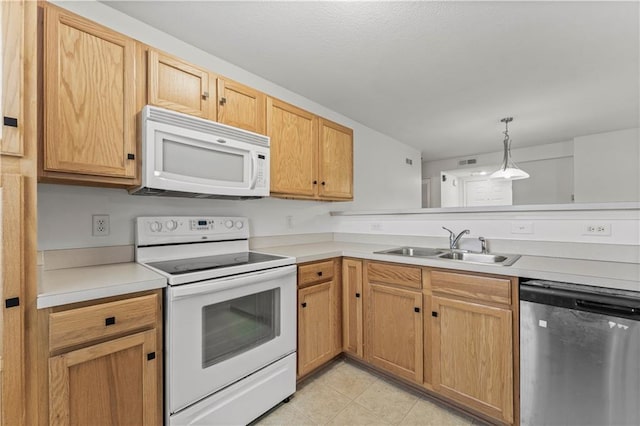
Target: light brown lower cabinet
{"x": 472, "y": 355}
{"x": 319, "y": 315}
{"x": 104, "y": 360}
{"x": 352, "y": 308}
{"x": 110, "y": 383}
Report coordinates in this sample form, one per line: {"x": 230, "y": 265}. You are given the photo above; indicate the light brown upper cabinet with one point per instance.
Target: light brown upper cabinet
{"x": 179, "y": 86}
{"x": 89, "y": 131}
{"x": 335, "y": 160}
{"x": 311, "y": 158}
{"x": 241, "y": 106}
{"x": 294, "y": 136}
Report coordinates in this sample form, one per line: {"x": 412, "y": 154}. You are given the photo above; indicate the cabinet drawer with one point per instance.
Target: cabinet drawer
{"x": 82, "y": 325}
{"x": 315, "y": 272}
{"x": 387, "y": 273}
{"x": 476, "y": 287}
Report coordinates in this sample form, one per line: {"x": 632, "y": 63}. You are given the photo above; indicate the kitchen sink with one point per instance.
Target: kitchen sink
{"x": 459, "y": 255}
{"x": 495, "y": 259}
{"x": 413, "y": 252}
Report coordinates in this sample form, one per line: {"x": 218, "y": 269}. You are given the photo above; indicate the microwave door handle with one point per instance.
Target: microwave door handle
{"x": 254, "y": 170}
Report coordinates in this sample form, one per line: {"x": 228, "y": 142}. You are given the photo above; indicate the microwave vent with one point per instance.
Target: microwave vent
{"x": 205, "y": 126}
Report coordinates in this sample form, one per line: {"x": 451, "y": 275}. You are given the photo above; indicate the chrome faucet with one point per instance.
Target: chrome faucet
{"x": 453, "y": 238}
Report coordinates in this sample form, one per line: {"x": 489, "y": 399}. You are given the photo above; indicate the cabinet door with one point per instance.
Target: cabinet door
{"x": 294, "y": 136}
{"x": 89, "y": 97}
{"x": 335, "y": 159}
{"x": 317, "y": 320}
{"x": 352, "y": 334}
{"x": 241, "y": 106}
{"x": 177, "y": 85}
{"x": 472, "y": 355}
{"x": 394, "y": 330}
{"x": 111, "y": 383}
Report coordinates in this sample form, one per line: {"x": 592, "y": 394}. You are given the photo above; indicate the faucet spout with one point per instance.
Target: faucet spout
{"x": 455, "y": 239}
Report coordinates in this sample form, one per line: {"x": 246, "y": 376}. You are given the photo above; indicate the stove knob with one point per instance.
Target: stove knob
{"x": 229, "y": 224}
{"x": 171, "y": 225}
{"x": 155, "y": 226}
{"x": 239, "y": 224}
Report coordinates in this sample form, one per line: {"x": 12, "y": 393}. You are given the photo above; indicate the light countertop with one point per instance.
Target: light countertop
{"x": 70, "y": 285}
{"x": 614, "y": 275}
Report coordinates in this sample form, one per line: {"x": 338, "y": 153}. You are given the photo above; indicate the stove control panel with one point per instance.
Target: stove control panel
{"x": 163, "y": 230}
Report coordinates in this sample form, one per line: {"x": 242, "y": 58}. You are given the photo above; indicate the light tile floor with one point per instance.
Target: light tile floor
{"x": 345, "y": 394}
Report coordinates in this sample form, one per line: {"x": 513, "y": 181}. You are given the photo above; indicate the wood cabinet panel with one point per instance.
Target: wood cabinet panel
{"x": 315, "y": 272}
{"x": 110, "y": 383}
{"x": 335, "y": 158}
{"x": 389, "y": 273}
{"x": 315, "y": 326}
{"x": 89, "y": 120}
{"x": 473, "y": 355}
{"x": 352, "y": 297}
{"x": 178, "y": 85}
{"x": 82, "y": 325}
{"x": 12, "y": 15}
{"x": 241, "y": 106}
{"x": 470, "y": 286}
{"x": 294, "y": 137}
{"x": 393, "y": 322}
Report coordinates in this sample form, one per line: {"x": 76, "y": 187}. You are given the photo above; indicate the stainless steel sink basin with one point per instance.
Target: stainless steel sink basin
{"x": 413, "y": 252}
{"x": 485, "y": 258}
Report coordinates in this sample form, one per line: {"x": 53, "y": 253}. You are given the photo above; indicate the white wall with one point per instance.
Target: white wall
{"x": 382, "y": 179}
{"x": 607, "y": 166}
{"x": 540, "y": 156}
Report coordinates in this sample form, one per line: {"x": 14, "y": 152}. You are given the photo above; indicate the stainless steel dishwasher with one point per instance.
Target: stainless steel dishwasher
{"x": 579, "y": 355}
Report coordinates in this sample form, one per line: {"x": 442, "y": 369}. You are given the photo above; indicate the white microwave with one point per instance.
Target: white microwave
{"x": 185, "y": 156}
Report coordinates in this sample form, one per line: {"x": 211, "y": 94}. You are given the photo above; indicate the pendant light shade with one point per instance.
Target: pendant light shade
{"x": 509, "y": 169}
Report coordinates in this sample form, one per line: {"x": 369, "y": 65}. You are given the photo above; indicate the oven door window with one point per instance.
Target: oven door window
{"x": 232, "y": 327}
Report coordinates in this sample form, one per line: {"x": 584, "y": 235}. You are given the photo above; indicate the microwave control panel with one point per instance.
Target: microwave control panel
{"x": 261, "y": 171}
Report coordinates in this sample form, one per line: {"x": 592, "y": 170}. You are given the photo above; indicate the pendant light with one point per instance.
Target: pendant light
{"x": 509, "y": 169}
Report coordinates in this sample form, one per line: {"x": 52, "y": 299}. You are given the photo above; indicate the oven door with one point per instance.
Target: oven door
{"x": 222, "y": 330}
{"x": 185, "y": 160}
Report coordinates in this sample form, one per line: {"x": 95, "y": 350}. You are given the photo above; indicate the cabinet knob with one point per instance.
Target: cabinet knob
{"x": 304, "y": 304}
{"x": 12, "y": 302}
{"x": 434, "y": 314}
{"x": 223, "y": 101}
{"x": 151, "y": 355}
{"x": 320, "y": 273}
{"x": 109, "y": 321}
{"x": 323, "y": 183}
{"x": 416, "y": 309}
{"x": 205, "y": 95}
{"x": 315, "y": 182}
{"x": 357, "y": 294}
{"x": 131, "y": 156}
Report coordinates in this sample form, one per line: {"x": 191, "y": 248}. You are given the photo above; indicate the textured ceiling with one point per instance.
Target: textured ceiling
{"x": 435, "y": 75}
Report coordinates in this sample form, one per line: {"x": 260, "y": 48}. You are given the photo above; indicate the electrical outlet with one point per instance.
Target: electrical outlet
{"x": 600, "y": 229}
{"x": 101, "y": 225}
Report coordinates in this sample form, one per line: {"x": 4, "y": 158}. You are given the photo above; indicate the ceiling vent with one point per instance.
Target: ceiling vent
{"x": 469, "y": 161}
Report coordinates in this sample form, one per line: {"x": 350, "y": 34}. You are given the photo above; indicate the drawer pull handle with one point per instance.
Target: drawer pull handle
{"x": 304, "y": 304}
{"x": 320, "y": 273}
{"x": 357, "y": 294}
{"x": 109, "y": 321}
{"x": 10, "y": 121}
{"x": 416, "y": 309}
{"x": 12, "y": 302}
{"x": 151, "y": 355}
{"x": 434, "y": 314}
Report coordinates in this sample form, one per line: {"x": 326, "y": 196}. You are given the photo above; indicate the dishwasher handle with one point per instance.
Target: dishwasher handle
{"x": 607, "y": 308}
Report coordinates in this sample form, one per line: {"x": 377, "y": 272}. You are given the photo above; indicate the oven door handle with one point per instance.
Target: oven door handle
{"x": 220, "y": 284}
